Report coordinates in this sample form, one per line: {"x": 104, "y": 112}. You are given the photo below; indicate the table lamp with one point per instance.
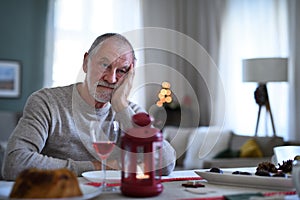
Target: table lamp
{"x": 262, "y": 71}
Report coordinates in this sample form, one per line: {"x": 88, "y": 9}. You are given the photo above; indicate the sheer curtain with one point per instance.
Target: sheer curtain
{"x": 253, "y": 29}
{"x": 294, "y": 69}
{"x": 76, "y": 24}
{"x": 199, "y": 21}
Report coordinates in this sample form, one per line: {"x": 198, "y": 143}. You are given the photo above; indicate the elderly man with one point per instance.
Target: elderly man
{"x": 54, "y": 129}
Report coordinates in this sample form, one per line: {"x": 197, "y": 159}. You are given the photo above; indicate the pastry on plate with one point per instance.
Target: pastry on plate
{"x": 39, "y": 183}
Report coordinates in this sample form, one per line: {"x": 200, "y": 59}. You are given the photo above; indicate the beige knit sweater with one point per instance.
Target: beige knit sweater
{"x": 54, "y": 133}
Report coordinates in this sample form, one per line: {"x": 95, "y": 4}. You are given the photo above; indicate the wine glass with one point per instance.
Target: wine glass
{"x": 104, "y": 137}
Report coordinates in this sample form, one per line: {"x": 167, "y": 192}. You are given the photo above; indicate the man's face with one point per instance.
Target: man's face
{"x": 107, "y": 67}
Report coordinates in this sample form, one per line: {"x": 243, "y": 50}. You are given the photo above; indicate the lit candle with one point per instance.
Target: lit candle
{"x": 140, "y": 174}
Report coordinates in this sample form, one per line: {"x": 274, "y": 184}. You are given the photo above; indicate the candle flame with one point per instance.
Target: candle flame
{"x": 140, "y": 174}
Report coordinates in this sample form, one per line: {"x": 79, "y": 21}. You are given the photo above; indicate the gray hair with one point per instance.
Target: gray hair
{"x": 105, "y": 36}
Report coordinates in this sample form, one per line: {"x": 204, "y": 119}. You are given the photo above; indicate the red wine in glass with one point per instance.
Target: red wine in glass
{"x": 103, "y": 149}
{"x": 104, "y": 137}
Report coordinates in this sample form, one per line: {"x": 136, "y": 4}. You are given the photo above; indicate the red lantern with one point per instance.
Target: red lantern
{"x": 141, "y": 160}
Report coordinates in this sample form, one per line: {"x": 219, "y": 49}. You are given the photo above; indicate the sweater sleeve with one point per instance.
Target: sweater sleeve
{"x": 124, "y": 116}
{"x": 26, "y": 143}
{"x": 168, "y": 158}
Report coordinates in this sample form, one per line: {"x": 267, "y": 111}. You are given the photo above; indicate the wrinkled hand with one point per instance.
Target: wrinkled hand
{"x": 119, "y": 99}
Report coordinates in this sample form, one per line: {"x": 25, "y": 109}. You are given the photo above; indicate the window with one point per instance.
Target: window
{"x": 253, "y": 29}
{"x": 77, "y": 23}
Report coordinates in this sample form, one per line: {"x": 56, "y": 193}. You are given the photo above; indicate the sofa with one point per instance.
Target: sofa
{"x": 207, "y": 147}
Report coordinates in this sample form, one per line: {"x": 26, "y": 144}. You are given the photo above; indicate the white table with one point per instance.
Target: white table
{"x": 174, "y": 190}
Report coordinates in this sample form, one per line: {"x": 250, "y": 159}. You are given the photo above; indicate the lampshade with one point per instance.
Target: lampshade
{"x": 264, "y": 70}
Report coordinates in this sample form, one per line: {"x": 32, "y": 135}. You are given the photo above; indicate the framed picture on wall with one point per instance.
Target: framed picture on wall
{"x": 10, "y": 79}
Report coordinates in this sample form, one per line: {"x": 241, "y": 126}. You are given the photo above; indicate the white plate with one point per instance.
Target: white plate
{"x": 112, "y": 176}
{"x": 227, "y": 178}
{"x": 89, "y": 192}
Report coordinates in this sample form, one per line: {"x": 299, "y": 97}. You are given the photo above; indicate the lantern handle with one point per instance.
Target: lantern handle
{"x": 142, "y": 119}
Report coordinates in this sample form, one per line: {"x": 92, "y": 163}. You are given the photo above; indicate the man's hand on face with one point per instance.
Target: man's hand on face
{"x": 119, "y": 99}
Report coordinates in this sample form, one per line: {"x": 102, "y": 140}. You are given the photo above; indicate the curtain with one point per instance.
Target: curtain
{"x": 294, "y": 69}
{"x": 187, "y": 53}
{"x": 253, "y": 29}
{"x": 49, "y": 44}
{"x": 75, "y": 24}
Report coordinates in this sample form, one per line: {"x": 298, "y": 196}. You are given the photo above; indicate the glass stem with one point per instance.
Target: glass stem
{"x": 104, "y": 173}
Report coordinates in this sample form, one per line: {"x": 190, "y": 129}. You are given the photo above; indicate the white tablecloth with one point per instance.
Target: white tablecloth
{"x": 174, "y": 189}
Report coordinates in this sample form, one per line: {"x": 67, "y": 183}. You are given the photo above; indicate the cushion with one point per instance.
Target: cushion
{"x": 266, "y": 144}
{"x": 228, "y": 153}
{"x": 205, "y": 143}
{"x": 250, "y": 149}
